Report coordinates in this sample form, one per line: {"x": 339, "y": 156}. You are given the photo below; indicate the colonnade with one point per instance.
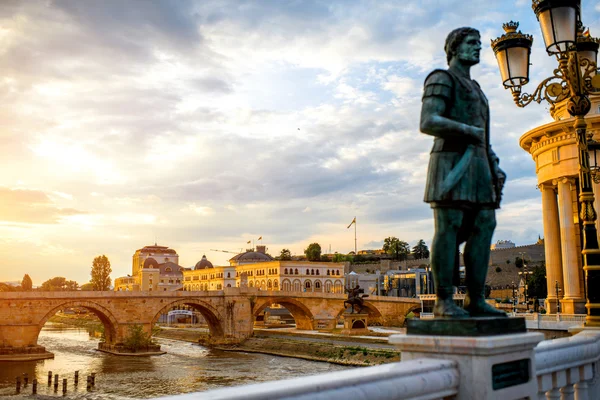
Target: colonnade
{"x": 562, "y": 245}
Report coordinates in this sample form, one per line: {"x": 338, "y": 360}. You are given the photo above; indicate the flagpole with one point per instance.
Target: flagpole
{"x": 355, "y": 251}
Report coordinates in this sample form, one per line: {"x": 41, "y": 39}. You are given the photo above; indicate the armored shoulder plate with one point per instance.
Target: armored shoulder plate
{"x": 438, "y": 83}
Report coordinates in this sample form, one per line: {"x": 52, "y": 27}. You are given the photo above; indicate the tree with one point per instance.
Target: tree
{"x": 337, "y": 257}
{"x": 518, "y": 262}
{"x": 536, "y": 285}
{"x": 420, "y": 250}
{"x": 313, "y": 252}
{"x": 395, "y": 247}
{"x": 137, "y": 338}
{"x": 101, "y": 273}
{"x": 26, "y": 283}
{"x": 87, "y": 287}
{"x": 59, "y": 284}
{"x": 285, "y": 255}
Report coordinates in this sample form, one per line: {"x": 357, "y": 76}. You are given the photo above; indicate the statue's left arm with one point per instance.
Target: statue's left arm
{"x": 498, "y": 174}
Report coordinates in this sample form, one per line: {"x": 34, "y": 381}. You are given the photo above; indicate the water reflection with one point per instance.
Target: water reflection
{"x": 185, "y": 368}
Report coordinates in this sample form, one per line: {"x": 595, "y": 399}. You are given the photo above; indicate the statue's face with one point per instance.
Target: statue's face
{"x": 468, "y": 51}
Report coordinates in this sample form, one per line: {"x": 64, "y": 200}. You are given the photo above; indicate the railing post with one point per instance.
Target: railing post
{"x": 553, "y": 394}
{"x": 582, "y": 391}
{"x": 567, "y": 392}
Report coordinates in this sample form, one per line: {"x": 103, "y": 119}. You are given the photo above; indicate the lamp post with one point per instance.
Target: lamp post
{"x": 525, "y": 273}
{"x": 572, "y": 82}
{"x": 557, "y": 287}
{"x": 514, "y": 299}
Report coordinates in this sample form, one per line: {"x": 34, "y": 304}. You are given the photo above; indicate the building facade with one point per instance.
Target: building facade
{"x": 554, "y": 150}
{"x": 258, "y": 269}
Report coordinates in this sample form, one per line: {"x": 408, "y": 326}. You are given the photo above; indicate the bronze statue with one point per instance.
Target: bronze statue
{"x": 464, "y": 182}
{"x": 355, "y": 298}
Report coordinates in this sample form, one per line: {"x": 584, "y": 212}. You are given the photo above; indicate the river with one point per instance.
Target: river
{"x": 185, "y": 368}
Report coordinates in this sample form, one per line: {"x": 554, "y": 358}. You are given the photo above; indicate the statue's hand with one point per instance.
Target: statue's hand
{"x": 476, "y": 135}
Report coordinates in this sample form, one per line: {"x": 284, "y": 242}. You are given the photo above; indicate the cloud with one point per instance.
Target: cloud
{"x": 204, "y": 123}
{"x": 31, "y": 206}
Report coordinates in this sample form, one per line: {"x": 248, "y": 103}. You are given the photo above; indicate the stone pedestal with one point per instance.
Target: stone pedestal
{"x": 324, "y": 324}
{"x": 491, "y": 367}
{"x": 572, "y": 306}
{"x": 355, "y": 324}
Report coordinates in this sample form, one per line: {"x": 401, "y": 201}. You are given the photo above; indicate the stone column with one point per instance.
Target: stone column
{"x": 573, "y": 302}
{"x": 552, "y": 244}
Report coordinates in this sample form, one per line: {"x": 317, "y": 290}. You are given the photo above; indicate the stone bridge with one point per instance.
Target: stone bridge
{"x": 230, "y": 313}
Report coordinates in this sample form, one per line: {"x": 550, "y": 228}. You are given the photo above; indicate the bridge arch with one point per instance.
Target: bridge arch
{"x": 211, "y": 315}
{"x": 302, "y": 315}
{"x": 374, "y": 315}
{"x": 108, "y": 320}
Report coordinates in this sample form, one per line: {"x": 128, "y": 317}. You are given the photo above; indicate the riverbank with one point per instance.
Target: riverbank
{"x": 336, "y": 349}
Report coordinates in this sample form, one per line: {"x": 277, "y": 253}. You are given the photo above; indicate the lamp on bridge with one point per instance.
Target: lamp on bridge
{"x": 571, "y": 82}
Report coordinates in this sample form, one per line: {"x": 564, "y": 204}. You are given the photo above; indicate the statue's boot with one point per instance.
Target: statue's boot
{"x": 446, "y": 308}
{"x": 476, "y": 305}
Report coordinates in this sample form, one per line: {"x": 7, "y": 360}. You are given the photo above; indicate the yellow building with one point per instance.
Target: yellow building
{"x": 554, "y": 150}
{"x": 153, "y": 268}
{"x": 258, "y": 269}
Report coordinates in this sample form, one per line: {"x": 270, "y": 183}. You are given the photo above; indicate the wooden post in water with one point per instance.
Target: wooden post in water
{"x": 55, "y": 382}
{"x": 18, "y": 384}
{"x": 25, "y": 379}
{"x": 89, "y": 383}
{"x": 76, "y": 377}
{"x": 49, "y": 378}
{"x": 64, "y": 385}
{"x": 34, "y": 386}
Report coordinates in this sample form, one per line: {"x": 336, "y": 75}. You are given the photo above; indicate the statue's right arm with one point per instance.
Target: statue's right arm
{"x": 438, "y": 94}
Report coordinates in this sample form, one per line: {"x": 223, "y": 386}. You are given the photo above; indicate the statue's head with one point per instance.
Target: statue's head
{"x": 465, "y": 44}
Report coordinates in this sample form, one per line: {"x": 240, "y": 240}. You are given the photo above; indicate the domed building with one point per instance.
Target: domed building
{"x": 203, "y": 263}
{"x": 554, "y": 150}
{"x": 153, "y": 268}
{"x": 256, "y": 268}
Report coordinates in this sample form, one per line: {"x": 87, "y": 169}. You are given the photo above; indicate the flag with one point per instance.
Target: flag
{"x": 249, "y": 241}
{"x": 587, "y": 33}
{"x": 353, "y": 222}
{"x": 260, "y": 238}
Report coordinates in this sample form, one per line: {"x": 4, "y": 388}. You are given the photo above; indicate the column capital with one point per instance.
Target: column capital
{"x": 549, "y": 185}
{"x": 564, "y": 179}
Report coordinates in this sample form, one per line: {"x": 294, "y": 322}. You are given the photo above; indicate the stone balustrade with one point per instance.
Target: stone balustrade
{"x": 566, "y": 368}
{"x": 552, "y": 321}
{"x": 425, "y": 379}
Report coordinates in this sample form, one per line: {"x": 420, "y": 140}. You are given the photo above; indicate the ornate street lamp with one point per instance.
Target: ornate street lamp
{"x": 572, "y": 82}
{"x": 557, "y": 287}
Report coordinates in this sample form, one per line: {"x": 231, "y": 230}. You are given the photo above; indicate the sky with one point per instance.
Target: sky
{"x": 203, "y": 125}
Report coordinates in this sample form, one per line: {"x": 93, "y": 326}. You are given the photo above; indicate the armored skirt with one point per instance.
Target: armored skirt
{"x": 474, "y": 188}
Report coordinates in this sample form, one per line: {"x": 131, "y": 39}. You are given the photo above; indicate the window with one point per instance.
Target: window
{"x": 285, "y": 271}
{"x": 296, "y": 271}
{"x": 307, "y": 272}
{"x": 317, "y": 285}
{"x": 168, "y": 269}
{"x": 229, "y": 274}
{"x": 327, "y": 272}
{"x": 317, "y": 272}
